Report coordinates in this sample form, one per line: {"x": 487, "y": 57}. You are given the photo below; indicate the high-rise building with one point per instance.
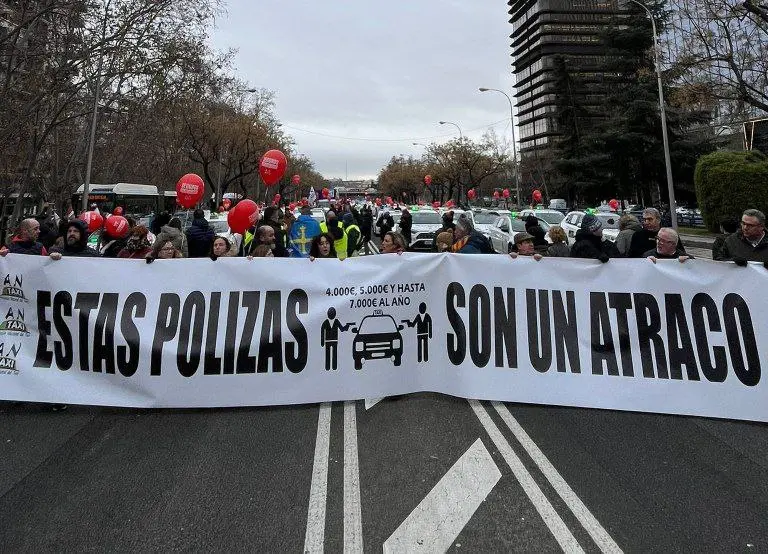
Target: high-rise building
{"x": 542, "y": 31}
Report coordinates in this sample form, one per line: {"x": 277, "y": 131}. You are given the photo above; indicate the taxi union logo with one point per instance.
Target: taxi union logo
{"x": 8, "y": 353}
{"x": 12, "y": 288}
{"x": 13, "y": 324}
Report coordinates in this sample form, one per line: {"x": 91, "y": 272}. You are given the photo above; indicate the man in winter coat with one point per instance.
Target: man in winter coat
{"x": 406, "y": 224}
{"x": 645, "y": 239}
{"x": 666, "y": 247}
{"x": 199, "y": 236}
{"x": 628, "y": 226}
{"x": 589, "y": 241}
{"x": 748, "y": 244}
{"x": 75, "y": 242}
{"x": 25, "y": 241}
{"x": 469, "y": 241}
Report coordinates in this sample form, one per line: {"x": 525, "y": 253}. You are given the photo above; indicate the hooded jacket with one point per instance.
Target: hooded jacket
{"x": 20, "y": 246}
{"x": 624, "y": 238}
{"x": 79, "y": 249}
{"x": 199, "y": 237}
{"x": 168, "y": 233}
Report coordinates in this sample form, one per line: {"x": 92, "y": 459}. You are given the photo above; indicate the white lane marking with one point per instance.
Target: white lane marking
{"x": 318, "y": 491}
{"x": 373, "y": 247}
{"x": 446, "y": 510}
{"x": 551, "y": 518}
{"x": 371, "y": 402}
{"x": 598, "y": 533}
{"x": 353, "y": 517}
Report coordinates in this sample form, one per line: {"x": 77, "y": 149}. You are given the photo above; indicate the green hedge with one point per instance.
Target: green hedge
{"x": 727, "y": 183}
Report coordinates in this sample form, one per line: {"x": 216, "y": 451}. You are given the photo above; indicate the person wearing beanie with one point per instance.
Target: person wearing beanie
{"x": 589, "y": 241}
{"x": 75, "y": 242}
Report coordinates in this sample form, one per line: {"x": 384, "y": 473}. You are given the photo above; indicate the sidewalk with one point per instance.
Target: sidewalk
{"x": 697, "y": 241}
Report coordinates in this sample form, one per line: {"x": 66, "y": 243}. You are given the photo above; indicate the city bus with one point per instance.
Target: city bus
{"x": 136, "y": 200}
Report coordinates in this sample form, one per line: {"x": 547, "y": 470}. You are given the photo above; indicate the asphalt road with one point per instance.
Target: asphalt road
{"x": 417, "y": 473}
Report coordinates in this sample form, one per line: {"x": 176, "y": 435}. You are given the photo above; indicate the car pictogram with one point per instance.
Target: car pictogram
{"x": 377, "y": 337}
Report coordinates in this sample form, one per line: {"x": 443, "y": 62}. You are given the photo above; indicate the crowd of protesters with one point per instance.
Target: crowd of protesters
{"x": 346, "y": 232}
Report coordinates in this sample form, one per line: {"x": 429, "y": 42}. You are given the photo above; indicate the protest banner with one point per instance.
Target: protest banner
{"x": 630, "y": 335}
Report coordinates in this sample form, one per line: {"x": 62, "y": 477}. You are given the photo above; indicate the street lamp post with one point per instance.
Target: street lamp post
{"x": 514, "y": 144}
{"x": 461, "y": 135}
{"x": 665, "y": 136}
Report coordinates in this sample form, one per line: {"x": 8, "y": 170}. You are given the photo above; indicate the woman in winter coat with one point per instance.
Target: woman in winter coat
{"x": 172, "y": 232}
{"x": 559, "y": 247}
{"x": 137, "y": 244}
{"x": 628, "y": 224}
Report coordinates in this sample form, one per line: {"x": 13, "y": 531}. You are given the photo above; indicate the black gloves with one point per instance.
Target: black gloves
{"x": 214, "y": 257}
{"x": 150, "y": 259}
{"x": 765, "y": 264}
{"x": 741, "y": 262}
{"x": 603, "y": 258}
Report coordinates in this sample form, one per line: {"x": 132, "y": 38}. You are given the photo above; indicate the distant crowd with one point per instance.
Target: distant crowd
{"x": 346, "y": 231}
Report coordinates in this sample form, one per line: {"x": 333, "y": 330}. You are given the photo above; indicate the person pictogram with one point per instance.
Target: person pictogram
{"x": 329, "y": 338}
{"x": 423, "y": 324}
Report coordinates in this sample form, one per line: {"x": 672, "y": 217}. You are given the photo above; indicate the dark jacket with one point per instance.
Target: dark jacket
{"x": 539, "y": 238}
{"x": 474, "y": 243}
{"x": 385, "y": 224}
{"x": 80, "y": 249}
{"x": 406, "y": 224}
{"x": 676, "y": 255}
{"x": 643, "y": 241}
{"x": 199, "y": 237}
{"x": 736, "y": 247}
{"x": 592, "y": 247}
{"x": 111, "y": 247}
{"x": 19, "y": 246}
{"x": 559, "y": 250}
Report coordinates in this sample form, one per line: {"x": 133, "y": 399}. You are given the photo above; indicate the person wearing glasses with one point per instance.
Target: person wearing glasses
{"x": 164, "y": 250}
{"x": 749, "y": 243}
{"x": 666, "y": 248}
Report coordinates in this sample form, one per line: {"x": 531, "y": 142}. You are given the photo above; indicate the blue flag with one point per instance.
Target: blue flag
{"x": 304, "y": 229}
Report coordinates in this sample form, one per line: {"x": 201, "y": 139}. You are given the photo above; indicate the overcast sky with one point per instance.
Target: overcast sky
{"x": 373, "y": 69}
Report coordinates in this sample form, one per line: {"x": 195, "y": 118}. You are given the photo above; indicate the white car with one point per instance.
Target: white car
{"x": 572, "y": 223}
{"x": 485, "y": 220}
{"x": 425, "y": 224}
{"x": 502, "y": 234}
{"x": 553, "y": 217}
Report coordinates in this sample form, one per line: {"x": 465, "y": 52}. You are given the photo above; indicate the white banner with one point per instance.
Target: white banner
{"x": 630, "y": 335}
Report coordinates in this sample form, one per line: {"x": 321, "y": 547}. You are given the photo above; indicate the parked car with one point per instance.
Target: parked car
{"x": 572, "y": 223}
{"x": 502, "y": 234}
{"x": 558, "y": 204}
{"x": 425, "y": 223}
{"x": 485, "y": 220}
{"x": 553, "y": 217}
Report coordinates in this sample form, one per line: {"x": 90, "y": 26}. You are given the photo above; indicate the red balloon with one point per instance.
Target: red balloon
{"x": 117, "y": 226}
{"x": 272, "y": 167}
{"x": 243, "y": 216}
{"x": 325, "y": 192}
{"x": 505, "y": 193}
{"x": 189, "y": 190}
{"x": 435, "y": 205}
{"x": 471, "y": 194}
{"x": 226, "y": 203}
{"x": 93, "y": 220}
{"x": 117, "y": 211}
{"x": 614, "y": 204}
{"x": 292, "y": 206}
{"x": 296, "y": 179}
{"x": 537, "y": 196}
{"x": 378, "y": 201}
{"x": 428, "y": 180}
{"x": 495, "y": 194}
